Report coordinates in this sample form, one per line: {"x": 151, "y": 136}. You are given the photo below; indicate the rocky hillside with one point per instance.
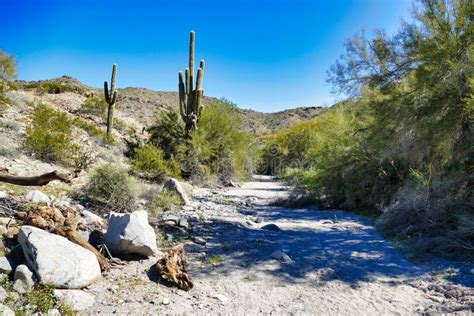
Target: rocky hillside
{"x": 143, "y": 105}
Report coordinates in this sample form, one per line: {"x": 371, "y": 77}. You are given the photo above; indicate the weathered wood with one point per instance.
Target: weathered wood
{"x": 40, "y": 180}
{"x": 62, "y": 222}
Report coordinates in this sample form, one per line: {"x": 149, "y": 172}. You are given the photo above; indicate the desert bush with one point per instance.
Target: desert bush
{"x": 92, "y": 129}
{"x": 112, "y": 186}
{"x": 150, "y": 160}
{"x": 218, "y": 149}
{"x": 168, "y": 134}
{"x": 95, "y": 106}
{"x": 221, "y": 146}
{"x": 49, "y": 136}
{"x": 403, "y": 145}
{"x": 165, "y": 200}
{"x": 7, "y": 66}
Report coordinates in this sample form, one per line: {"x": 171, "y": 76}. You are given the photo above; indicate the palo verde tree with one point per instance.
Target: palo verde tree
{"x": 7, "y": 66}
{"x": 190, "y": 95}
{"x": 110, "y": 97}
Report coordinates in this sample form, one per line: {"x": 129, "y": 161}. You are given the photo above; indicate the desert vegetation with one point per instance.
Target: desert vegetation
{"x": 139, "y": 196}
{"x": 401, "y": 148}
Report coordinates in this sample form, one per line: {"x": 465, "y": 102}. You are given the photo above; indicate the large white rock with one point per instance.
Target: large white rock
{"x": 36, "y": 196}
{"x": 56, "y": 260}
{"x": 76, "y": 299}
{"x": 130, "y": 234}
{"x": 174, "y": 185}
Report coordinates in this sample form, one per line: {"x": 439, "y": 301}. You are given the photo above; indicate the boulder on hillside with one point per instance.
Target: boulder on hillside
{"x": 57, "y": 261}
{"x": 129, "y": 234}
{"x": 173, "y": 185}
{"x": 36, "y": 196}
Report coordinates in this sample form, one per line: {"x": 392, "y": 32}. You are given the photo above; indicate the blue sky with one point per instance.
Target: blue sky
{"x": 267, "y": 55}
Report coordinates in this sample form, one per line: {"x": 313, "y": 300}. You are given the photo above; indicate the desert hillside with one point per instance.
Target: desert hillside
{"x": 143, "y": 105}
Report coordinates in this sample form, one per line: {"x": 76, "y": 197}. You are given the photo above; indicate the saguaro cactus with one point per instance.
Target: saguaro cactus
{"x": 190, "y": 97}
{"x": 110, "y": 97}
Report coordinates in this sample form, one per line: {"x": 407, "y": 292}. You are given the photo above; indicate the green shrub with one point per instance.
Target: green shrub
{"x": 168, "y": 134}
{"x": 113, "y": 187}
{"x": 95, "y": 106}
{"x": 92, "y": 129}
{"x": 164, "y": 201}
{"x": 42, "y": 297}
{"x": 150, "y": 160}
{"x": 7, "y": 66}
{"x": 221, "y": 146}
{"x": 49, "y": 136}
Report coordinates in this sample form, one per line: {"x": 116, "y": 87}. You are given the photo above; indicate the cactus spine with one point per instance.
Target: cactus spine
{"x": 190, "y": 97}
{"x": 110, "y": 97}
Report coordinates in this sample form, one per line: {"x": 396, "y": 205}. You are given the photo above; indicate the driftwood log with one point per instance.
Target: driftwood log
{"x": 173, "y": 267}
{"x": 40, "y": 180}
{"x": 64, "y": 222}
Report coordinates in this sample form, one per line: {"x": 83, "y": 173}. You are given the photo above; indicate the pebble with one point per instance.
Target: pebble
{"x": 165, "y": 301}
{"x": 271, "y": 227}
{"x": 280, "y": 255}
{"x": 199, "y": 240}
{"x": 221, "y": 298}
{"x": 259, "y": 220}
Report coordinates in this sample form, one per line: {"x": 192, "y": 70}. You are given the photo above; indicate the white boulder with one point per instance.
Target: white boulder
{"x": 36, "y": 196}
{"x": 130, "y": 234}
{"x": 58, "y": 261}
{"x": 174, "y": 185}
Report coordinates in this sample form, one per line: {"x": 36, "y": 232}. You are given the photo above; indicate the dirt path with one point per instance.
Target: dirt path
{"x": 305, "y": 262}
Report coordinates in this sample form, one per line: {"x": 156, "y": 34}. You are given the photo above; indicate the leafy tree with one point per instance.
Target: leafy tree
{"x": 7, "y": 66}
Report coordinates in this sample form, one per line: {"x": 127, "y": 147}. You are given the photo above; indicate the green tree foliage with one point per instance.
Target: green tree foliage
{"x": 217, "y": 148}
{"x": 168, "y": 134}
{"x": 403, "y": 145}
{"x": 49, "y": 136}
{"x": 7, "y": 66}
{"x": 150, "y": 160}
{"x": 221, "y": 146}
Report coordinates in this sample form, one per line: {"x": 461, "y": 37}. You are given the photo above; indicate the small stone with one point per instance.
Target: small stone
{"x": 36, "y": 196}
{"x": 183, "y": 222}
{"x": 54, "y": 312}
{"x": 280, "y": 255}
{"x": 221, "y": 298}
{"x": 199, "y": 240}
{"x": 472, "y": 271}
{"x": 326, "y": 221}
{"x": 271, "y": 227}
{"x": 170, "y": 219}
{"x": 24, "y": 279}
{"x": 169, "y": 237}
{"x": 3, "y": 294}
{"x": 92, "y": 219}
{"x": 165, "y": 301}
{"x": 259, "y": 220}
{"x": 6, "y": 311}
{"x": 3, "y": 195}
{"x": 173, "y": 185}
{"x": 120, "y": 301}
{"x": 76, "y": 299}
{"x": 6, "y": 265}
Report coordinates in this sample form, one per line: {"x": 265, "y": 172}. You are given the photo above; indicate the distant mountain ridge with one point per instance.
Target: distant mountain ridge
{"x": 144, "y": 105}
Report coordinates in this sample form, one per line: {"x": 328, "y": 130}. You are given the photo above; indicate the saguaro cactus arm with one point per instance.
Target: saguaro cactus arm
{"x": 110, "y": 97}
{"x": 190, "y": 95}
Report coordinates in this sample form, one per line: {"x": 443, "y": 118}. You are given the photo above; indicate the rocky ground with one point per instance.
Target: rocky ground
{"x": 247, "y": 257}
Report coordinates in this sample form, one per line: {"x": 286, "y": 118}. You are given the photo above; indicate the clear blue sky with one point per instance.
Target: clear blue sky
{"x": 266, "y": 55}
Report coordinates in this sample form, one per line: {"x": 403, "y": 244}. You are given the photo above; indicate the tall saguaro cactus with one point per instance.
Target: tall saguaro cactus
{"x": 190, "y": 96}
{"x": 110, "y": 97}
